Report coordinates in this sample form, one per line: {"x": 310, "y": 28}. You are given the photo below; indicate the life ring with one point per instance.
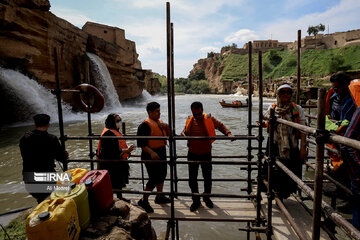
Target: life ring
{"x": 95, "y": 97}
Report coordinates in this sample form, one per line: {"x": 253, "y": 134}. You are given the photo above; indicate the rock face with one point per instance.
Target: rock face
{"x": 212, "y": 73}
{"x": 123, "y": 222}
{"x": 29, "y": 33}
{"x": 120, "y": 57}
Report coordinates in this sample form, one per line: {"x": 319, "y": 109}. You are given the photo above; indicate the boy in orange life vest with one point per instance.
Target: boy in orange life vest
{"x": 153, "y": 150}
{"x": 200, "y": 124}
{"x": 286, "y": 140}
{"x": 113, "y": 149}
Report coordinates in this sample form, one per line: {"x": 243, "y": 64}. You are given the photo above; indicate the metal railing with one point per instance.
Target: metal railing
{"x": 322, "y": 137}
{"x": 259, "y": 224}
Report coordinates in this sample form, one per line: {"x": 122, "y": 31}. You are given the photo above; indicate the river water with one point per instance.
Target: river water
{"x": 12, "y": 194}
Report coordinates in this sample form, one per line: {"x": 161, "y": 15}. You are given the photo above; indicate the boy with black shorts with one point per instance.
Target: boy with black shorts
{"x": 153, "y": 150}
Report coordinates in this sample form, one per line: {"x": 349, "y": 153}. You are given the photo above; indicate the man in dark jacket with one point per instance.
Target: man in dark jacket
{"x": 341, "y": 104}
{"x": 341, "y": 108}
{"x": 39, "y": 149}
{"x": 351, "y": 158}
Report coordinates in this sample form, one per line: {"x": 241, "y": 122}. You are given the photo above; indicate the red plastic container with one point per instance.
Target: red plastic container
{"x": 99, "y": 187}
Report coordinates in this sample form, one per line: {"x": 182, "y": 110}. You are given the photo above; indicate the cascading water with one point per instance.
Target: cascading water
{"x": 146, "y": 96}
{"x": 22, "y": 97}
{"x": 103, "y": 82}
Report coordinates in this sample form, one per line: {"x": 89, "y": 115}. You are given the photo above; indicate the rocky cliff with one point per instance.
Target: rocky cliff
{"x": 29, "y": 33}
{"x": 212, "y": 72}
{"x": 213, "y": 68}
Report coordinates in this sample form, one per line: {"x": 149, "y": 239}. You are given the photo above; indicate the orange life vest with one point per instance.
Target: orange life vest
{"x": 122, "y": 142}
{"x": 336, "y": 159}
{"x": 327, "y": 101}
{"x": 155, "y": 131}
{"x": 209, "y": 125}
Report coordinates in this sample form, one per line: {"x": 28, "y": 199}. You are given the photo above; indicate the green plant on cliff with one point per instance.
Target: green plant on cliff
{"x": 279, "y": 63}
{"x": 337, "y": 64}
{"x": 210, "y": 54}
{"x": 163, "y": 82}
{"x": 198, "y": 75}
{"x": 274, "y": 57}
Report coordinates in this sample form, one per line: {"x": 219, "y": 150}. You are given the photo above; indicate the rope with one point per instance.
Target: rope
{"x": 5, "y": 231}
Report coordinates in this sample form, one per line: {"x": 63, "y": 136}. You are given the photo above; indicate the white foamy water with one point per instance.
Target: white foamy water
{"x": 104, "y": 82}
{"x": 33, "y": 95}
{"x": 146, "y": 96}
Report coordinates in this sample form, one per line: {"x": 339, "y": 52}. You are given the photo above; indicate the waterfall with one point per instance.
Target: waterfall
{"x": 104, "y": 82}
{"x": 22, "y": 97}
{"x": 146, "y": 96}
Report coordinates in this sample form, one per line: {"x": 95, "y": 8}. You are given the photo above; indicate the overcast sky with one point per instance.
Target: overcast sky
{"x": 201, "y": 26}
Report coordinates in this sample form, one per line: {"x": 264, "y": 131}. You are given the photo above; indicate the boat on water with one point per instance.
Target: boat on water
{"x": 234, "y": 104}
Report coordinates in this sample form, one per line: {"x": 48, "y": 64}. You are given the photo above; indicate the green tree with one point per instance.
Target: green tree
{"x": 316, "y": 29}
{"x": 274, "y": 57}
{"x": 203, "y": 86}
{"x": 210, "y": 54}
{"x": 198, "y": 75}
{"x": 198, "y": 87}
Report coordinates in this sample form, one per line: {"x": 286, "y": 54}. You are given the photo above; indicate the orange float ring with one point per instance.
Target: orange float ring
{"x": 96, "y": 99}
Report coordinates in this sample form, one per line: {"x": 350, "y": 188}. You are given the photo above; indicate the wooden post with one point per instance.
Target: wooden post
{"x": 298, "y": 85}
{"x": 320, "y": 146}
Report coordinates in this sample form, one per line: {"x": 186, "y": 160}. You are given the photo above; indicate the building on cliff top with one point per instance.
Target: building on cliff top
{"x": 320, "y": 41}
{"x": 116, "y": 36}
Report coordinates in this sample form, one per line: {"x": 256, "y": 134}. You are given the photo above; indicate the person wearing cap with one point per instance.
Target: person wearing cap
{"x": 39, "y": 149}
{"x": 114, "y": 149}
{"x": 286, "y": 140}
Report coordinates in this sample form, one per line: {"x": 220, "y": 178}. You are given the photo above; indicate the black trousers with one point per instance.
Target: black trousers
{"x": 193, "y": 173}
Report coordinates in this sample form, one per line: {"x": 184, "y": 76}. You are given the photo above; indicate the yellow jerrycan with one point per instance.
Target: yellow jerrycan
{"x": 54, "y": 219}
{"x": 77, "y": 174}
{"x": 80, "y": 195}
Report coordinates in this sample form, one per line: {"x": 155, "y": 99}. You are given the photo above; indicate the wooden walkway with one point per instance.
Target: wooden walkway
{"x": 282, "y": 229}
{"x": 225, "y": 210}
{"x": 238, "y": 210}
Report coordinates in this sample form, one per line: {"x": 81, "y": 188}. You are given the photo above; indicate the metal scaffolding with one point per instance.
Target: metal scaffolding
{"x": 258, "y": 224}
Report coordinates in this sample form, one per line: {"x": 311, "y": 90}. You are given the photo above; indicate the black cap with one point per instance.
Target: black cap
{"x": 44, "y": 215}
{"x": 41, "y": 120}
{"x": 342, "y": 78}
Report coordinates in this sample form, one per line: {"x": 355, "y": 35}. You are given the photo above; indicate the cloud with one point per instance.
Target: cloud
{"x": 73, "y": 16}
{"x": 293, "y": 4}
{"x": 142, "y": 3}
{"x": 209, "y": 49}
{"x": 242, "y": 36}
{"x": 342, "y": 17}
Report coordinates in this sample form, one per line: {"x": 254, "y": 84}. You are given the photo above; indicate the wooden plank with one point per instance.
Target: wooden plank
{"x": 225, "y": 210}
{"x": 282, "y": 229}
